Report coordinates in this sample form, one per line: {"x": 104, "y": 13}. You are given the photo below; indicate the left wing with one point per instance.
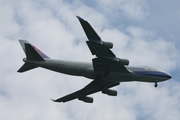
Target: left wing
{"x": 93, "y": 87}
{"x": 95, "y": 44}
{"x": 106, "y": 60}
{"x": 90, "y": 32}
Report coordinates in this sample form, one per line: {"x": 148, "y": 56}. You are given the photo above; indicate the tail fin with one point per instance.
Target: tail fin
{"x": 32, "y": 53}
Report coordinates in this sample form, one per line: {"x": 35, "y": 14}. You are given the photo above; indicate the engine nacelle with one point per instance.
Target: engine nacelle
{"x": 107, "y": 44}
{"x": 122, "y": 61}
{"x": 110, "y": 92}
{"x": 86, "y": 99}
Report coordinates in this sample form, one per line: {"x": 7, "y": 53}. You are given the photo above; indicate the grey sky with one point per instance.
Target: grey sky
{"x": 145, "y": 32}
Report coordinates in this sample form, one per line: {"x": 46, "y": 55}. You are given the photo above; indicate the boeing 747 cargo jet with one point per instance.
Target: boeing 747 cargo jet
{"x": 106, "y": 70}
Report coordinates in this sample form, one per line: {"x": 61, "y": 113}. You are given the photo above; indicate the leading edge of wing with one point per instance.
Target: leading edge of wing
{"x": 90, "y": 32}
{"x": 89, "y": 89}
{"x": 92, "y": 87}
{"x": 67, "y": 97}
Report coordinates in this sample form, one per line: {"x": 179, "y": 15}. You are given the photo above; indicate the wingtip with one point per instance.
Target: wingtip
{"x": 56, "y": 101}
{"x": 80, "y": 19}
{"x": 53, "y": 100}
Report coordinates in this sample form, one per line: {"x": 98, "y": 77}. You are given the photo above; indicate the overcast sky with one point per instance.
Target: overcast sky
{"x": 145, "y": 32}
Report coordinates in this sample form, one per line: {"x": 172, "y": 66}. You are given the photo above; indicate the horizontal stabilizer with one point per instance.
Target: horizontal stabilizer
{"x": 26, "y": 67}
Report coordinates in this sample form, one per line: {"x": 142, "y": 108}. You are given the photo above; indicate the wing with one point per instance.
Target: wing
{"x": 95, "y": 43}
{"x": 90, "y": 32}
{"x": 106, "y": 60}
{"x": 93, "y": 87}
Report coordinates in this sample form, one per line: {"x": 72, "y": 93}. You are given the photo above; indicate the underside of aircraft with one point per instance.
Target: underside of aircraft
{"x": 106, "y": 70}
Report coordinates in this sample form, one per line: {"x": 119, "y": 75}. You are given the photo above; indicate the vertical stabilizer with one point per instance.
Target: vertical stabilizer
{"x": 32, "y": 54}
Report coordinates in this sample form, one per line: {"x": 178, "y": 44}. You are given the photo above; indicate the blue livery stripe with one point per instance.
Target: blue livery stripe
{"x": 154, "y": 73}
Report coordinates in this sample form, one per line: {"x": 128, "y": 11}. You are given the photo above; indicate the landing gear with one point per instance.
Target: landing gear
{"x": 156, "y": 84}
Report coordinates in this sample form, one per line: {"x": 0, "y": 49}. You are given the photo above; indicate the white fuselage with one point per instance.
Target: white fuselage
{"x": 144, "y": 74}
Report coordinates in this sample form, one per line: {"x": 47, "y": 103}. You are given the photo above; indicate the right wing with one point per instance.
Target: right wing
{"x": 93, "y": 87}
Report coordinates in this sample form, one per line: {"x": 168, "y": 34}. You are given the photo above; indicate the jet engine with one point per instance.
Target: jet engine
{"x": 110, "y": 92}
{"x": 107, "y": 44}
{"x": 86, "y": 99}
{"x": 122, "y": 61}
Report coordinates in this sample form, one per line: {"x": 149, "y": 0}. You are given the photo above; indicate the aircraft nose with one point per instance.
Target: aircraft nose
{"x": 167, "y": 76}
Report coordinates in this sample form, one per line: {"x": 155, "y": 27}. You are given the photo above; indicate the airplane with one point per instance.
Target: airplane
{"x": 106, "y": 70}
